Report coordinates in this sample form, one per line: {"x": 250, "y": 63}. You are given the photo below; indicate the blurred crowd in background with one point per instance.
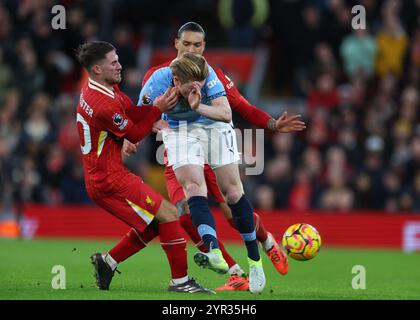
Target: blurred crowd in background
{"x": 361, "y": 148}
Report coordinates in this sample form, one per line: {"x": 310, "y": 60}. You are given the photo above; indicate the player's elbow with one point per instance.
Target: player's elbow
{"x": 225, "y": 112}
{"x": 227, "y": 115}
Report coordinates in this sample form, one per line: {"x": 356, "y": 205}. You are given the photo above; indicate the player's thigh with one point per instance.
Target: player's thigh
{"x": 136, "y": 205}
{"x": 212, "y": 186}
{"x": 184, "y": 148}
{"x": 152, "y": 202}
{"x": 229, "y": 181}
{"x": 173, "y": 187}
{"x": 191, "y": 177}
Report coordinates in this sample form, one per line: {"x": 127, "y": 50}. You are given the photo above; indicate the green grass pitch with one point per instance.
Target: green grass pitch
{"x": 26, "y": 273}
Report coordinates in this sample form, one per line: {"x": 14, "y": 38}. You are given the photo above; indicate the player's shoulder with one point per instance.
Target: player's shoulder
{"x": 98, "y": 92}
{"x": 219, "y": 71}
{"x": 227, "y": 82}
{"x": 152, "y": 70}
{"x": 160, "y": 79}
{"x": 98, "y": 97}
{"x": 163, "y": 73}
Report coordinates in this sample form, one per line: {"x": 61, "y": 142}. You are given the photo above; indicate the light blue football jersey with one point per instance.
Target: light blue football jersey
{"x": 162, "y": 79}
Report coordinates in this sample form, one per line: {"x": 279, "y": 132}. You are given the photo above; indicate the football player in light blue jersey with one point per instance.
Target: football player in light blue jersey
{"x": 201, "y": 132}
{"x": 211, "y": 90}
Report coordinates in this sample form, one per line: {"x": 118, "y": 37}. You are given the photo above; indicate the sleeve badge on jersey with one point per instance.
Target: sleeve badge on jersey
{"x": 146, "y": 99}
{"x": 119, "y": 121}
{"x": 150, "y": 202}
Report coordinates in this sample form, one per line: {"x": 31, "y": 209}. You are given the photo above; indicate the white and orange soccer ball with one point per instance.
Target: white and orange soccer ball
{"x": 301, "y": 241}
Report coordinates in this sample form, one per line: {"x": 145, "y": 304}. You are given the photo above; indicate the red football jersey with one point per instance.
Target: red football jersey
{"x": 237, "y": 102}
{"x": 102, "y": 123}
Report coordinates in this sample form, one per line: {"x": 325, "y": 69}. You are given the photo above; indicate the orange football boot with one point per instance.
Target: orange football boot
{"x": 278, "y": 257}
{"x": 235, "y": 283}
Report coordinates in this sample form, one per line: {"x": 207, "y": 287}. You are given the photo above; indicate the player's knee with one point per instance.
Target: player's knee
{"x": 233, "y": 196}
{"x": 182, "y": 207}
{"x": 167, "y": 212}
{"x": 194, "y": 189}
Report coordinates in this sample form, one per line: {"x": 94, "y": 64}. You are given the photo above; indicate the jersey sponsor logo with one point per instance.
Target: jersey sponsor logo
{"x": 146, "y": 99}
{"x": 119, "y": 121}
{"x": 230, "y": 84}
{"x": 212, "y": 83}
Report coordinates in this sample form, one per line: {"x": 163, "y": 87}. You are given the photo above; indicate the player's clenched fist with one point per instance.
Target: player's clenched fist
{"x": 129, "y": 148}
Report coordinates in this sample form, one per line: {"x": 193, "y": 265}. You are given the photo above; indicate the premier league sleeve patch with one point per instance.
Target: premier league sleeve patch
{"x": 145, "y": 99}
{"x": 119, "y": 121}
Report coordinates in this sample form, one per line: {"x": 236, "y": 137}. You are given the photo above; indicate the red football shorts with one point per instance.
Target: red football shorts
{"x": 176, "y": 193}
{"x": 136, "y": 204}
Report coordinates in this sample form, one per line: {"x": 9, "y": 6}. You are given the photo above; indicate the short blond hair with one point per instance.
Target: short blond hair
{"x": 190, "y": 67}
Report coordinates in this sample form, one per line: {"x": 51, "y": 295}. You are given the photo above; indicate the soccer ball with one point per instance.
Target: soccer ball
{"x": 301, "y": 241}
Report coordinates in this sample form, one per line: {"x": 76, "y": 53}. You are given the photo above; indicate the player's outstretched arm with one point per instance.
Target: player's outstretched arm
{"x": 287, "y": 124}
{"x": 262, "y": 119}
{"x": 138, "y": 131}
{"x": 255, "y": 115}
{"x": 141, "y": 129}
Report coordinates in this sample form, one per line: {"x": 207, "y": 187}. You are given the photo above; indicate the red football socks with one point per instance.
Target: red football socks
{"x": 175, "y": 248}
{"x": 133, "y": 243}
{"x": 130, "y": 244}
{"x": 259, "y": 228}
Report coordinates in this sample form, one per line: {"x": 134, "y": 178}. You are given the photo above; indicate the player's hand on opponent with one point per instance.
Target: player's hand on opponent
{"x": 289, "y": 124}
{"x": 159, "y": 125}
{"x": 168, "y": 100}
{"x": 129, "y": 148}
{"x": 194, "y": 98}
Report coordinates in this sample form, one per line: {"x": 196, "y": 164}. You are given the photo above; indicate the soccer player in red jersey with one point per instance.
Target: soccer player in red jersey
{"x": 191, "y": 38}
{"x": 105, "y": 117}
